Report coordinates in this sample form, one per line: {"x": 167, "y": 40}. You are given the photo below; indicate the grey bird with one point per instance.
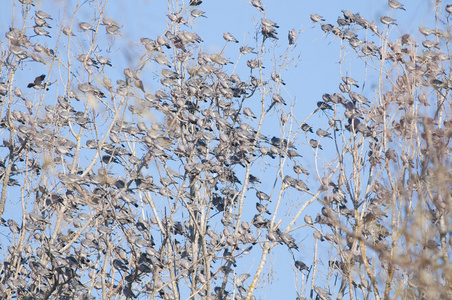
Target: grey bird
{"x": 308, "y": 220}
{"x": 257, "y": 4}
{"x": 268, "y": 22}
{"x": 18, "y": 93}
{"x": 112, "y": 30}
{"x": 229, "y": 37}
{"x": 350, "y": 81}
{"x": 262, "y": 209}
{"x": 292, "y": 35}
{"x": 170, "y": 74}
{"x": 276, "y": 78}
{"x": 278, "y": 99}
{"x": 248, "y": 112}
{"x": 426, "y": 31}
{"x": 196, "y": 13}
{"x": 246, "y": 49}
{"x": 109, "y": 22}
{"x": 162, "y": 59}
{"x": 300, "y": 170}
{"x": 388, "y": 20}
{"x": 41, "y": 31}
{"x": 42, "y": 23}
{"x": 323, "y": 133}
{"x": 326, "y": 27}
{"x": 262, "y": 196}
{"x": 348, "y": 15}
{"x": 292, "y": 153}
{"x": 316, "y": 18}
{"x": 42, "y": 15}
{"x": 430, "y": 44}
{"x": 85, "y": 26}
{"x": 66, "y": 31}
{"x": 287, "y": 239}
{"x": 13, "y": 226}
{"x": 395, "y": 4}
{"x": 314, "y": 144}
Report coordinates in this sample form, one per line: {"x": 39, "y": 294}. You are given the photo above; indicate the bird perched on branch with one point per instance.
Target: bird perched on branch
{"x": 395, "y": 4}
{"x": 262, "y": 209}
{"x": 316, "y": 18}
{"x": 229, "y": 37}
{"x": 292, "y": 36}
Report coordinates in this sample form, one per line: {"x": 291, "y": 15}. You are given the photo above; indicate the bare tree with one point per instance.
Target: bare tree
{"x": 115, "y": 190}
{"x": 387, "y": 197}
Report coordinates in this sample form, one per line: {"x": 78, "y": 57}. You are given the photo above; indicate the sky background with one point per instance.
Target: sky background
{"x": 316, "y": 72}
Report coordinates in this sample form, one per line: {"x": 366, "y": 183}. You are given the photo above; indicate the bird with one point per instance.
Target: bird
{"x": 323, "y": 133}
{"x": 229, "y": 37}
{"x": 305, "y": 127}
{"x": 18, "y": 93}
{"x": 246, "y": 49}
{"x": 395, "y": 4}
{"x": 248, "y": 112}
{"x": 350, "y": 81}
{"x": 37, "y": 83}
{"x": 170, "y": 74}
{"x": 112, "y": 30}
{"x": 430, "y": 44}
{"x": 42, "y": 23}
{"x": 316, "y": 18}
{"x": 299, "y": 169}
{"x": 262, "y": 196}
{"x": 292, "y": 36}
{"x": 308, "y": 220}
{"x": 449, "y": 8}
{"x": 315, "y": 144}
{"x": 195, "y": 13}
{"x": 300, "y": 265}
{"x": 41, "y": 31}
{"x": 42, "y": 15}
{"x": 257, "y": 4}
{"x": 262, "y": 209}
{"x": 276, "y": 78}
{"x": 348, "y": 15}
{"x": 326, "y": 27}
{"x": 426, "y": 31}
{"x": 85, "y": 26}
{"x": 67, "y": 31}
{"x": 278, "y": 99}
{"x": 324, "y": 106}
{"x": 388, "y": 20}
{"x": 195, "y": 2}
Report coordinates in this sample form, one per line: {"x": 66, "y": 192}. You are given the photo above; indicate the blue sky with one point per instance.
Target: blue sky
{"x": 316, "y": 72}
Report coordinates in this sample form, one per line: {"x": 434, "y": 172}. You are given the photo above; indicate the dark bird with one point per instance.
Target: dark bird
{"x": 37, "y": 83}
{"x": 301, "y": 266}
{"x": 305, "y": 127}
{"x": 324, "y": 106}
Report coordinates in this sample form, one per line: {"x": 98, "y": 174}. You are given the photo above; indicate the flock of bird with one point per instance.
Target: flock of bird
{"x": 210, "y": 139}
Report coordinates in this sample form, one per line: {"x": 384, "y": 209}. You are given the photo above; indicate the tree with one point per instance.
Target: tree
{"x": 164, "y": 183}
